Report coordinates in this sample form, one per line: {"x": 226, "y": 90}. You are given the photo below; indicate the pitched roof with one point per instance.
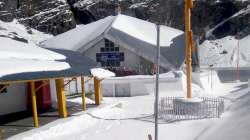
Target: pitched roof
{"x": 134, "y": 34}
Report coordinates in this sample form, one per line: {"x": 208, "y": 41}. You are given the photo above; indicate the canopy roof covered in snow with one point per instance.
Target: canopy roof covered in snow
{"x": 21, "y": 61}
{"x": 136, "y": 35}
{"x": 101, "y": 73}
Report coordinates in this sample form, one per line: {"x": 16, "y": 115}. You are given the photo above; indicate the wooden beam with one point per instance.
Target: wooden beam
{"x": 83, "y": 94}
{"x": 42, "y": 85}
{"x": 34, "y": 106}
{"x": 97, "y": 86}
{"x": 35, "y": 80}
{"x": 72, "y": 79}
{"x": 4, "y": 87}
{"x": 61, "y": 99}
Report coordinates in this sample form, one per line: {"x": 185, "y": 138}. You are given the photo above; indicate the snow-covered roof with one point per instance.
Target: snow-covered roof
{"x": 23, "y": 68}
{"x": 101, "y": 73}
{"x": 134, "y": 34}
{"x": 21, "y": 59}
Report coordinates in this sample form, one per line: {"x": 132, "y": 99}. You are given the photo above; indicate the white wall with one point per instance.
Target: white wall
{"x": 53, "y": 93}
{"x": 131, "y": 59}
{"x": 15, "y": 100}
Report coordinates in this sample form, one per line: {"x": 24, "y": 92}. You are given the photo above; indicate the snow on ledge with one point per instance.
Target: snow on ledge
{"x": 101, "y": 73}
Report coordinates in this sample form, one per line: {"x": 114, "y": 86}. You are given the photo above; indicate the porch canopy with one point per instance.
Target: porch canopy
{"x": 22, "y": 63}
{"x": 27, "y": 63}
{"x": 134, "y": 34}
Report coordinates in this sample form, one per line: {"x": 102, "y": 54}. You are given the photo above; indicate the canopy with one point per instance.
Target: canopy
{"x": 23, "y": 62}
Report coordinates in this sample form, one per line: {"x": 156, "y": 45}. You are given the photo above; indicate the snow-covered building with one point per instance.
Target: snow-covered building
{"x": 123, "y": 43}
{"x": 21, "y": 63}
{"x": 27, "y": 69}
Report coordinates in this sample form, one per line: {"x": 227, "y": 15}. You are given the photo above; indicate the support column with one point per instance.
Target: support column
{"x": 83, "y": 94}
{"x": 61, "y": 99}
{"x": 98, "y": 96}
{"x": 34, "y": 106}
{"x": 189, "y": 44}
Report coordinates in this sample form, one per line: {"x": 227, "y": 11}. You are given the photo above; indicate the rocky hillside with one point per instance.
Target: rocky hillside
{"x": 50, "y": 16}
{"x": 57, "y": 16}
{"x": 206, "y": 13}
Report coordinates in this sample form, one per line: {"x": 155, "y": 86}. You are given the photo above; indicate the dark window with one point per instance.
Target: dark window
{"x": 122, "y": 57}
{"x": 3, "y": 89}
{"x": 98, "y": 57}
{"x": 109, "y": 44}
{"x": 117, "y": 49}
{"x": 106, "y": 49}
{"x": 102, "y": 49}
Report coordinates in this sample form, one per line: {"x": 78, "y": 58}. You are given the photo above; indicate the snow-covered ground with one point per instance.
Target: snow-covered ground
{"x": 130, "y": 118}
{"x": 227, "y": 52}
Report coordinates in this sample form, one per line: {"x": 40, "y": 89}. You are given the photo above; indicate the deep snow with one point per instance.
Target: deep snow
{"x": 131, "y": 118}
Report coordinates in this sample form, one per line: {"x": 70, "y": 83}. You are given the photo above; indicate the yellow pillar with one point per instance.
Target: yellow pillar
{"x": 61, "y": 99}
{"x": 83, "y": 94}
{"x": 189, "y": 43}
{"x": 34, "y": 106}
{"x": 98, "y": 96}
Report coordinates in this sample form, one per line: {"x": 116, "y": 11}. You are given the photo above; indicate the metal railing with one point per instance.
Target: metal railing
{"x": 170, "y": 110}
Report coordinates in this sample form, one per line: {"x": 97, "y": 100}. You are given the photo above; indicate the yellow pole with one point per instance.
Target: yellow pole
{"x": 34, "y": 107}
{"x": 83, "y": 94}
{"x": 61, "y": 99}
{"x": 97, "y": 85}
{"x": 189, "y": 43}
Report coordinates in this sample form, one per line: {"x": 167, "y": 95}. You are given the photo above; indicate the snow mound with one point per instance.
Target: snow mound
{"x": 227, "y": 52}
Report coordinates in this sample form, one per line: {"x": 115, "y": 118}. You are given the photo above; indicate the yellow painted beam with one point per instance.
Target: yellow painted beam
{"x": 61, "y": 99}
{"x": 34, "y": 106}
{"x": 97, "y": 86}
{"x": 189, "y": 44}
{"x": 83, "y": 94}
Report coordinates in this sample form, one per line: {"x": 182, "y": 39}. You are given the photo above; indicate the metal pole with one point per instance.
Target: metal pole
{"x": 238, "y": 61}
{"x": 157, "y": 82}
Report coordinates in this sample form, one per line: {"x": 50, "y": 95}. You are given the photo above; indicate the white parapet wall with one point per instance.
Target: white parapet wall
{"x": 171, "y": 84}
{"x": 138, "y": 85}
{"x": 124, "y": 86}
